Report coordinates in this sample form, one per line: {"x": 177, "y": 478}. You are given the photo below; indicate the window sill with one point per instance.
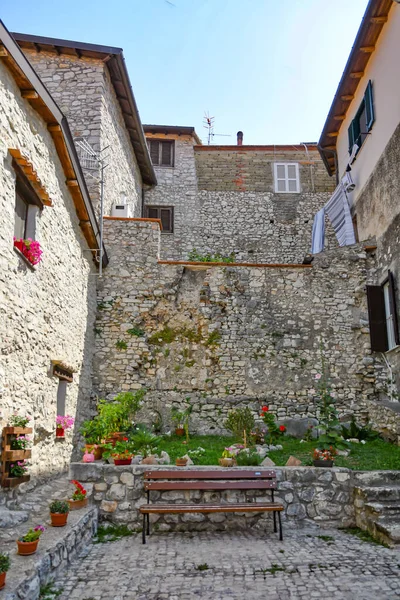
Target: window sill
{"x": 164, "y": 166}
{"x": 395, "y": 350}
{"x": 297, "y": 192}
{"x": 24, "y": 259}
{"x": 167, "y": 233}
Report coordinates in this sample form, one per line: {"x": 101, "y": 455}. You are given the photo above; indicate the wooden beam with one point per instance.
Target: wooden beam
{"x": 3, "y": 52}
{"x": 378, "y": 20}
{"x": 367, "y": 49}
{"x": 333, "y": 134}
{"x": 357, "y": 74}
{"x": 54, "y": 127}
{"x": 339, "y": 117}
{"x": 29, "y": 94}
{"x": 328, "y": 147}
{"x": 72, "y": 183}
{"x": 347, "y": 97}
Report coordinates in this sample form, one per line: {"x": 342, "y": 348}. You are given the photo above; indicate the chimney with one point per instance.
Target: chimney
{"x": 240, "y": 138}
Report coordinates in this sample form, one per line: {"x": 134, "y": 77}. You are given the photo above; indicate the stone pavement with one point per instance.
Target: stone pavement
{"x": 241, "y": 566}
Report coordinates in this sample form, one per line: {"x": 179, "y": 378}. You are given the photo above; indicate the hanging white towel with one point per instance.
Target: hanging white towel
{"x": 318, "y": 232}
{"x": 338, "y": 211}
{"x": 348, "y": 182}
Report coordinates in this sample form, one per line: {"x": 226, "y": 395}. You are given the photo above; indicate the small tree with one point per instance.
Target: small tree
{"x": 241, "y": 423}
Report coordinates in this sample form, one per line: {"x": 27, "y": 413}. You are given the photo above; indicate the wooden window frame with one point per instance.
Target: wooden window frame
{"x": 34, "y": 204}
{"x": 161, "y": 142}
{"x": 379, "y": 317}
{"x": 160, "y": 207}
{"x": 286, "y": 179}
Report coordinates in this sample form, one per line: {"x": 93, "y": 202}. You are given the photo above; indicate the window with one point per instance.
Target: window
{"x": 161, "y": 152}
{"x": 362, "y": 123}
{"x": 286, "y": 176}
{"x": 165, "y": 214}
{"x": 61, "y": 397}
{"x": 382, "y": 313}
{"x": 27, "y": 205}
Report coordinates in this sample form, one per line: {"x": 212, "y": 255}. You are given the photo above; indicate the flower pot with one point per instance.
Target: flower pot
{"x": 181, "y": 462}
{"x": 19, "y": 244}
{"x": 2, "y": 580}
{"x": 96, "y": 451}
{"x": 27, "y": 548}
{"x": 59, "y": 519}
{"x": 59, "y": 432}
{"x": 323, "y": 463}
{"x": 227, "y": 462}
{"x": 77, "y": 504}
{"x": 122, "y": 461}
{"x": 118, "y": 436}
{"x": 179, "y": 431}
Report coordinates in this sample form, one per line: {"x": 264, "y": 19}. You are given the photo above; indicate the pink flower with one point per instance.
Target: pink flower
{"x": 64, "y": 422}
{"x": 318, "y": 376}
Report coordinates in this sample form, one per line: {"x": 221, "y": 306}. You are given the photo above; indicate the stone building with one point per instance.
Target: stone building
{"x": 362, "y": 136}
{"x": 47, "y": 311}
{"x": 255, "y": 202}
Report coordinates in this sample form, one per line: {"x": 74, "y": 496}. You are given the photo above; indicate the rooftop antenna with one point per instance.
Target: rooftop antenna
{"x": 92, "y": 163}
{"x": 209, "y": 125}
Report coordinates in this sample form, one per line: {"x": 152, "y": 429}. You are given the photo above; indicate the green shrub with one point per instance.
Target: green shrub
{"x": 4, "y": 562}
{"x": 145, "y": 443}
{"x": 239, "y": 421}
{"x": 121, "y": 345}
{"x": 195, "y": 256}
{"x": 59, "y": 506}
{"x": 358, "y": 432}
{"x": 248, "y": 459}
{"x": 135, "y": 331}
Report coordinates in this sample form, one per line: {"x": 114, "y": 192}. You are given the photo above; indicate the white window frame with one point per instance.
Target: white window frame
{"x": 389, "y": 318}
{"x": 286, "y": 179}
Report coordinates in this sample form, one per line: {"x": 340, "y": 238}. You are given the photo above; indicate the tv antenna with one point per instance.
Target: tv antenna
{"x": 209, "y": 125}
{"x": 94, "y": 164}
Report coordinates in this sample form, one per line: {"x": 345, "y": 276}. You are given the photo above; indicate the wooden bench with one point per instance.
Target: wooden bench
{"x": 196, "y": 479}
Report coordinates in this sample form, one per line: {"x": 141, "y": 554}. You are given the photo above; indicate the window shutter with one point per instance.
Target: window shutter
{"x": 166, "y": 154}
{"x": 154, "y": 151}
{"x": 393, "y": 307}
{"x": 351, "y": 137}
{"x": 152, "y": 213}
{"x": 369, "y": 106}
{"x": 377, "y": 318}
{"x": 166, "y": 217}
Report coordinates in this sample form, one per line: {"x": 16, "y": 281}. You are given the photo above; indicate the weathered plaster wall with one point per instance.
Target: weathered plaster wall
{"x": 46, "y": 312}
{"x": 83, "y": 90}
{"x": 229, "y": 336}
{"x": 224, "y": 202}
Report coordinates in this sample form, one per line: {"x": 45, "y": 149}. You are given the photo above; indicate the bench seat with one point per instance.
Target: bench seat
{"x": 211, "y": 508}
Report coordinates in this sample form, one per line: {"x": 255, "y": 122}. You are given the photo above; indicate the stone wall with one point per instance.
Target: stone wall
{"x": 47, "y": 312}
{"x": 219, "y": 210}
{"x": 231, "y": 336}
{"x": 83, "y": 90}
{"x": 323, "y": 495}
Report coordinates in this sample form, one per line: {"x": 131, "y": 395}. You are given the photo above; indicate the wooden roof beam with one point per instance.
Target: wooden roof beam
{"x": 357, "y": 74}
{"x": 29, "y": 94}
{"x": 347, "y": 97}
{"x": 3, "y": 52}
{"x": 333, "y": 134}
{"x": 378, "y": 20}
{"x": 329, "y": 147}
{"x": 367, "y": 49}
{"x": 339, "y": 117}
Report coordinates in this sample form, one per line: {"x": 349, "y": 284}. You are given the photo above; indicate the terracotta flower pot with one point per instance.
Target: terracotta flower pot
{"x": 2, "y": 580}
{"x": 179, "y": 431}
{"x": 77, "y": 504}
{"x": 122, "y": 461}
{"x": 27, "y": 548}
{"x": 181, "y": 462}
{"x": 323, "y": 463}
{"x": 227, "y": 462}
{"x": 59, "y": 519}
{"x": 59, "y": 432}
{"x": 96, "y": 451}
{"x": 19, "y": 244}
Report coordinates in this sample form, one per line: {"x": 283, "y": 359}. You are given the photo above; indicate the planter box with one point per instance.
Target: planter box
{"x": 17, "y": 454}
{"x": 12, "y": 482}
{"x": 17, "y": 430}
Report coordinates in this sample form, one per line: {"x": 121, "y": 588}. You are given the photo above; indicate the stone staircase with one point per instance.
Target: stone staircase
{"x": 377, "y": 505}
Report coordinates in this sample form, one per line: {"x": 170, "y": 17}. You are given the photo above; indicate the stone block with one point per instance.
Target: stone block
{"x": 293, "y": 462}
{"x": 128, "y": 479}
{"x": 296, "y": 510}
{"x": 116, "y": 492}
{"x": 100, "y": 487}
{"x": 267, "y": 462}
{"x": 298, "y": 427}
{"x": 108, "y": 506}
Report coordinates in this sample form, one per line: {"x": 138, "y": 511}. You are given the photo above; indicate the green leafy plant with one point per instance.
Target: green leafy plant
{"x": 33, "y": 534}
{"x": 17, "y": 420}
{"x": 122, "y": 449}
{"x": 121, "y": 345}
{"x": 248, "y": 459}
{"x": 210, "y": 258}
{"x": 59, "y": 507}
{"x": 118, "y": 414}
{"x": 111, "y": 533}
{"x": 4, "y": 562}
{"x": 49, "y": 592}
{"x": 241, "y": 423}
{"x": 93, "y": 430}
{"x": 136, "y": 331}
{"x": 274, "y": 430}
{"x": 358, "y": 432}
{"x": 202, "y": 567}
{"x": 328, "y": 416}
{"x": 213, "y": 338}
{"x": 145, "y": 443}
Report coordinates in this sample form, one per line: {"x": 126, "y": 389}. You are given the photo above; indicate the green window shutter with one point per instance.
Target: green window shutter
{"x": 351, "y": 137}
{"x": 369, "y": 106}
{"x": 354, "y": 133}
{"x": 377, "y": 318}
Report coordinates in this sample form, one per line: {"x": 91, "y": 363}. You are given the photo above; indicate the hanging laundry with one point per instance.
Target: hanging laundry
{"x": 318, "y": 232}
{"x": 338, "y": 211}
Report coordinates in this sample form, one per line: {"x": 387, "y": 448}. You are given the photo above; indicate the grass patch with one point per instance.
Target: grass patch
{"x": 135, "y": 331}
{"x": 48, "y": 592}
{"x": 121, "y": 345}
{"x": 111, "y": 533}
{"x": 365, "y": 536}
{"x": 213, "y": 445}
{"x": 202, "y": 567}
{"x": 326, "y": 538}
{"x": 213, "y": 338}
{"x": 273, "y": 569}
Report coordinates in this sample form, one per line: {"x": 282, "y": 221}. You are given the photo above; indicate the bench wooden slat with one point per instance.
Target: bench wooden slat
{"x": 210, "y": 485}
{"x": 228, "y": 473}
{"x": 211, "y": 508}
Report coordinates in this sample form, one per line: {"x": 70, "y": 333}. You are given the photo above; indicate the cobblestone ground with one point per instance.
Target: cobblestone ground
{"x": 309, "y": 563}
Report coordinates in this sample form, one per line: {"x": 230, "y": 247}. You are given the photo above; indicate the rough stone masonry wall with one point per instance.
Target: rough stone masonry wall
{"x": 82, "y": 88}
{"x": 324, "y": 495}
{"x": 224, "y": 202}
{"x": 230, "y": 336}
{"x": 46, "y": 312}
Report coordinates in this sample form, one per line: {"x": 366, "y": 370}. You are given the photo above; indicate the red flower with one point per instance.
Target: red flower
{"x": 282, "y": 428}
{"x": 125, "y": 439}
{"x": 83, "y": 492}
{"x": 264, "y": 408}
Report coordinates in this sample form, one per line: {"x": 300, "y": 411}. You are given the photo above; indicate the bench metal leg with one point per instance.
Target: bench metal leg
{"x": 280, "y": 527}
{"x": 144, "y": 529}
{"x": 148, "y": 524}
{"x": 275, "y": 529}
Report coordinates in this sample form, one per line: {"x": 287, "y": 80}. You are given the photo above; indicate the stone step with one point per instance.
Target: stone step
{"x": 383, "y": 508}
{"x": 377, "y": 478}
{"x": 11, "y": 518}
{"x": 379, "y": 493}
{"x": 389, "y": 526}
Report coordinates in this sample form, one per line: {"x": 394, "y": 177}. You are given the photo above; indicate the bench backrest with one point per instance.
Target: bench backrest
{"x": 229, "y": 479}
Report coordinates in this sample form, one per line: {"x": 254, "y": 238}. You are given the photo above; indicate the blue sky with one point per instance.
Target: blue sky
{"x": 267, "y": 67}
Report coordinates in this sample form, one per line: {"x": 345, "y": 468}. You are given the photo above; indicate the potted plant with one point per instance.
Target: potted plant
{"x": 28, "y": 543}
{"x": 59, "y": 510}
{"x": 117, "y": 416}
{"x": 4, "y": 566}
{"x": 63, "y": 423}
{"x": 181, "y": 462}
{"x": 93, "y": 433}
{"x": 30, "y": 249}
{"x": 324, "y": 457}
{"x": 228, "y": 457}
{"x": 79, "y": 498}
{"x": 19, "y": 468}
{"x": 181, "y": 420}
{"x": 17, "y": 420}
{"x": 121, "y": 452}
{"x": 145, "y": 442}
